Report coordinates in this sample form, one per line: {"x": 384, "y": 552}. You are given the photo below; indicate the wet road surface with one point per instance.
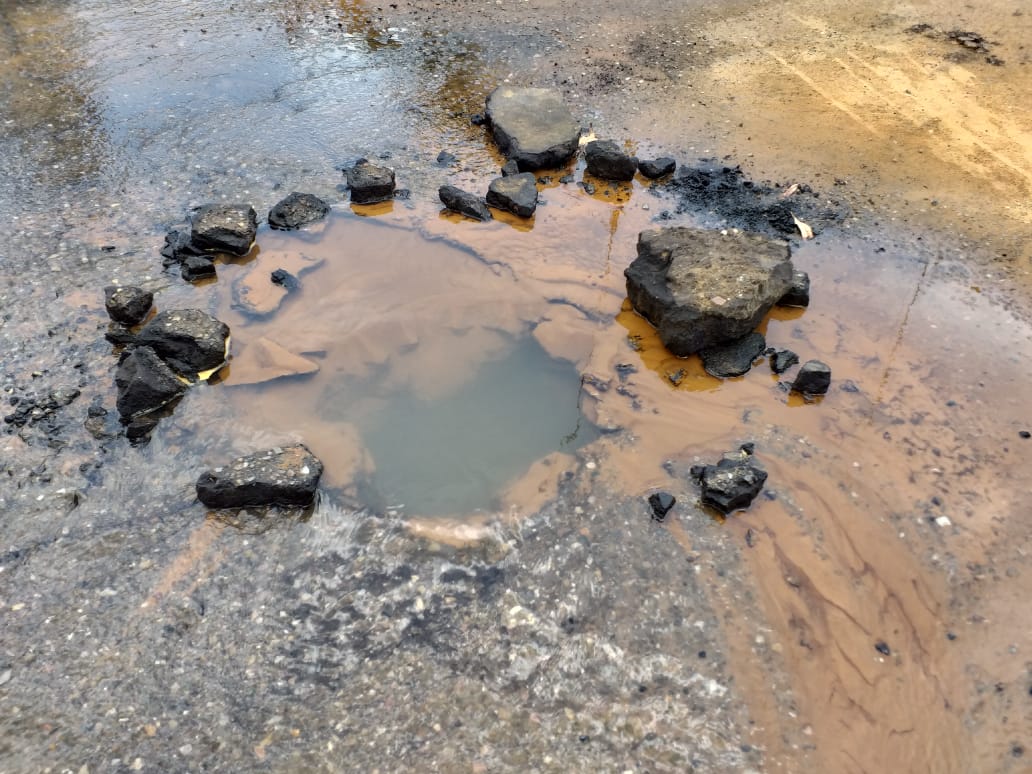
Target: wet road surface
{"x": 869, "y": 614}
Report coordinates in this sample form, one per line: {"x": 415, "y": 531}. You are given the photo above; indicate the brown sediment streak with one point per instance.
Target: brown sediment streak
{"x": 194, "y": 563}
{"x": 825, "y": 94}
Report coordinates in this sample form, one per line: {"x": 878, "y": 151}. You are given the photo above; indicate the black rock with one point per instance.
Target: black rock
{"x": 280, "y": 476}
{"x": 119, "y": 334}
{"x": 533, "y": 127}
{"x": 297, "y": 210}
{"x": 813, "y": 378}
{"x": 189, "y": 340}
{"x": 178, "y": 247}
{"x": 510, "y": 168}
{"x": 140, "y": 428}
{"x": 224, "y": 228}
{"x": 370, "y": 183}
{"x": 478, "y": 119}
{"x": 145, "y": 383}
{"x": 285, "y": 279}
{"x": 197, "y": 267}
{"x": 735, "y": 358}
{"x": 883, "y": 647}
{"x": 589, "y": 188}
{"x": 783, "y": 359}
{"x": 656, "y": 168}
{"x": 464, "y": 203}
{"x": 732, "y": 483}
{"x": 703, "y": 288}
{"x": 799, "y": 293}
{"x": 514, "y": 193}
{"x": 1024, "y": 434}
{"x": 661, "y": 503}
{"x": 446, "y": 159}
{"x": 127, "y": 305}
{"x": 605, "y": 160}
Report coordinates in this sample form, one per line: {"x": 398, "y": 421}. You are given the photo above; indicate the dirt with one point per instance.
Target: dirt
{"x": 868, "y": 612}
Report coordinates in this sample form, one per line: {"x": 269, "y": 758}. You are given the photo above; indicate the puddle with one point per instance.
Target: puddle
{"x": 407, "y": 364}
{"x": 455, "y": 453}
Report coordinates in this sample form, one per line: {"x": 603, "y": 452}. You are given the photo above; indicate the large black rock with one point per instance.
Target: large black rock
{"x": 732, "y": 483}
{"x": 532, "y": 127}
{"x": 224, "y": 228}
{"x": 127, "y": 305}
{"x": 145, "y": 383}
{"x": 463, "y": 202}
{"x": 703, "y": 288}
{"x": 297, "y": 210}
{"x": 280, "y": 476}
{"x": 370, "y": 183}
{"x": 606, "y": 160}
{"x": 189, "y": 340}
{"x": 514, "y": 193}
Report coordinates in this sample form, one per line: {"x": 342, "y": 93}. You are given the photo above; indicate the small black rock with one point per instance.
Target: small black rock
{"x": 661, "y": 503}
{"x": 464, "y": 203}
{"x": 297, "y": 210}
{"x": 370, "y": 183}
{"x": 733, "y": 359}
{"x": 813, "y": 378}
{"x": 446, "y": 159}
{"x": 799, "y": 293}
{"x": 882, "y": 647}
{"x": 732, "y": 483}
{"x": 127, "y": 305}
{"x": 783, "y": 359}
{"x": 514, "y": 193}
{"x": 197, "y": 267}
{"x": 285, "y": 279}
{"x": 656, "y": 168}
{"x": 607, "y": 161}
{"x": 1025, "y": 434}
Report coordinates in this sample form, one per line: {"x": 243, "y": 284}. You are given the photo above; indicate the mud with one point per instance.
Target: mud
{"x": 564, "y": 630}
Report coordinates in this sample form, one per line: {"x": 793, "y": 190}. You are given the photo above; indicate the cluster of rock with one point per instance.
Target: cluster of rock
{"x": 534, "y": 130}
{"x": 706, "y": 291}
{"x": 213, "y": 229}
{"x": 230, "y": 229}
{"x": 163, "y": 358}
{"x": 729, "y": 485}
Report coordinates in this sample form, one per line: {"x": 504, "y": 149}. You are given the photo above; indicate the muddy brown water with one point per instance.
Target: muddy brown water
{"x": 898, "y": 508}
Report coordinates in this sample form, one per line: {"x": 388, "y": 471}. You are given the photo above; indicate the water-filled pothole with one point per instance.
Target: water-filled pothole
{"x": 408, "y": 365}
{"x": 455, "y": 452}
